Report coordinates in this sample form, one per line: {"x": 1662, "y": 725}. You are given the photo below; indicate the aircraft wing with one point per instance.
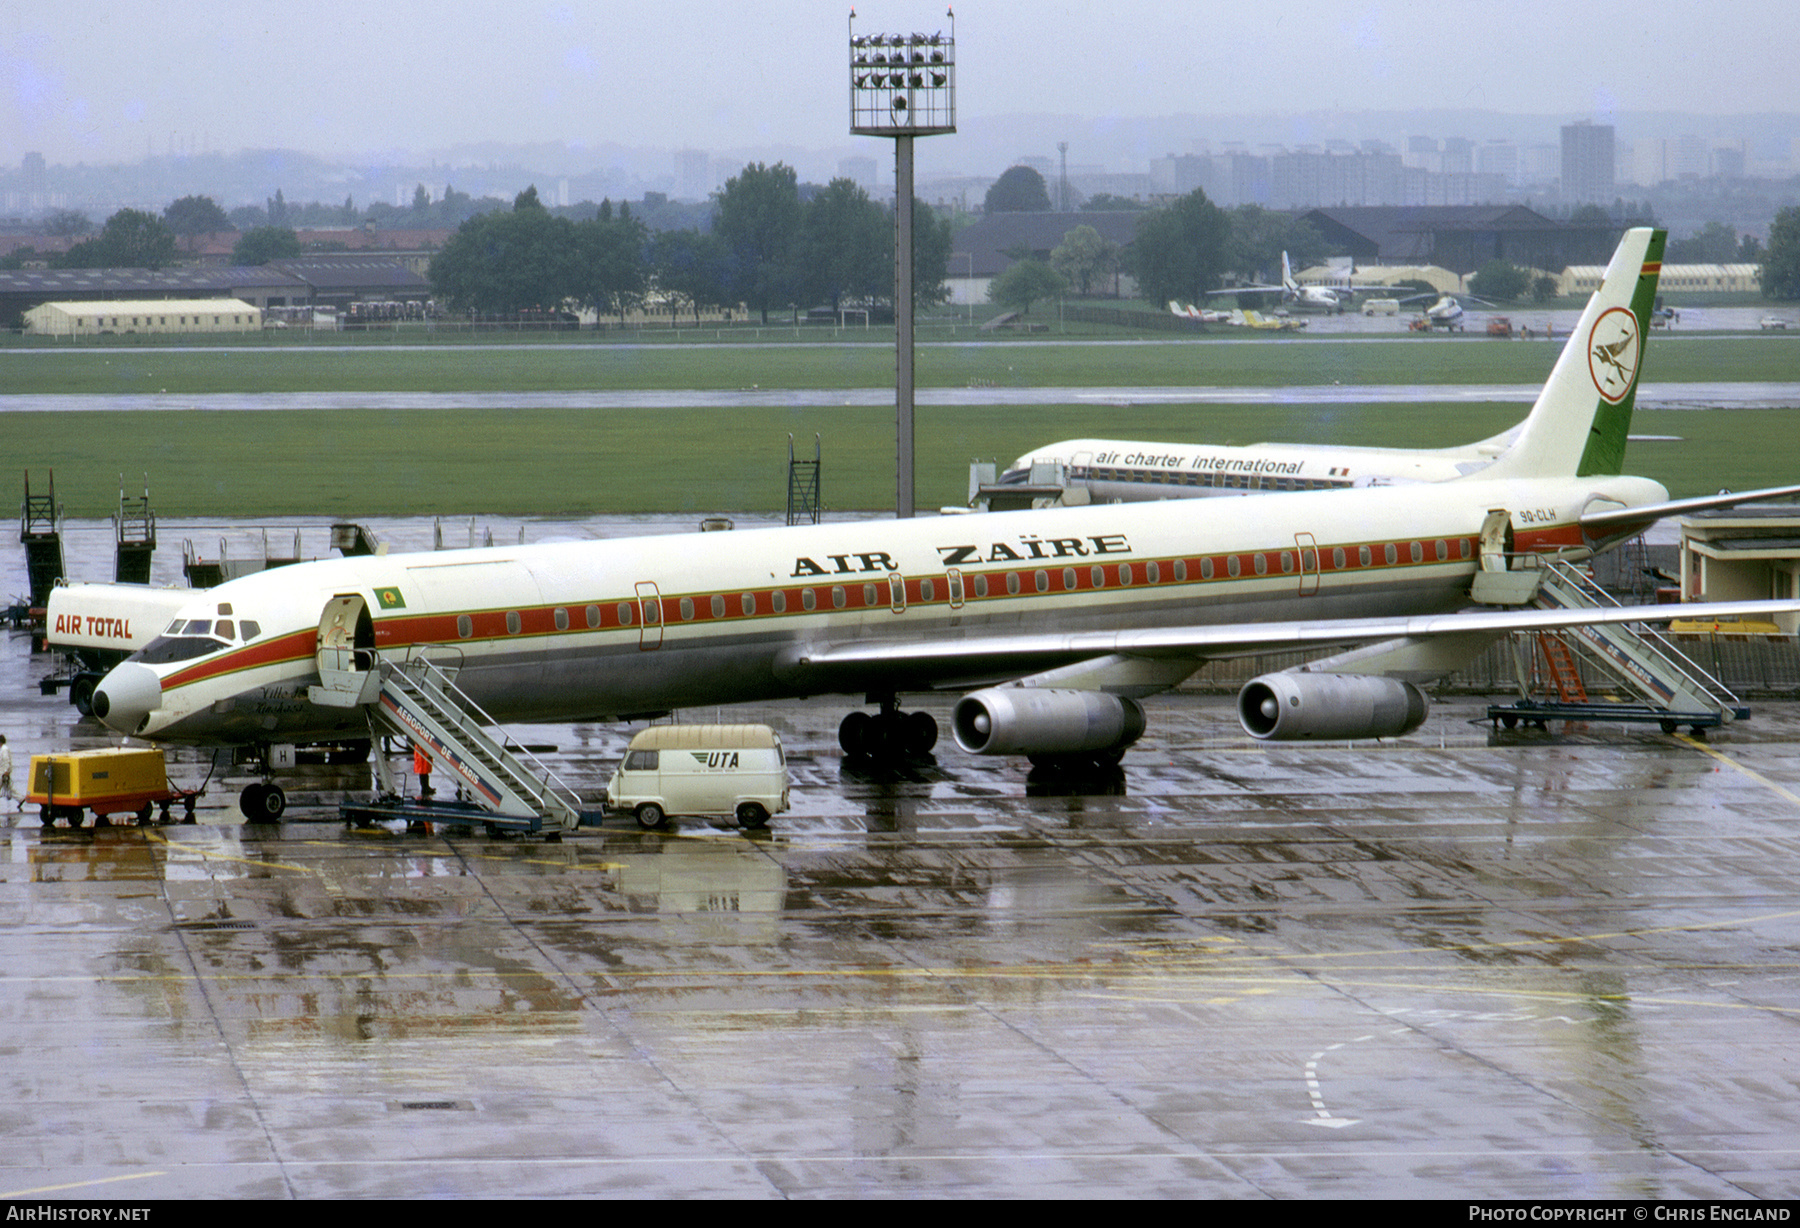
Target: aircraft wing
{"x": 1249, "y": 290}
{"x": 983, "y": 655}
{"x": 1680, "y": 507}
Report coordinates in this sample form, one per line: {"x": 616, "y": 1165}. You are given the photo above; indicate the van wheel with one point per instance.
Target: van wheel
{"x": 649, "y": 816}
{"x": 750, "y": 814}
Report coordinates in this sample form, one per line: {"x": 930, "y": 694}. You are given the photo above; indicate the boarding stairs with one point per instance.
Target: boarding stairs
{"x": 1675, "y": 690}
{"x": 502, "y": 784}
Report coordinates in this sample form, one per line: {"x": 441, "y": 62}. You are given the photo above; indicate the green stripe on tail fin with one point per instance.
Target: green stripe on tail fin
{"x": 1580, "y": 421}
{"x": 1605, "y": 451}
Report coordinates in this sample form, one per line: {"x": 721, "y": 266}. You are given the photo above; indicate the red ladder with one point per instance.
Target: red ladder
{"x": 1563, "y": 671}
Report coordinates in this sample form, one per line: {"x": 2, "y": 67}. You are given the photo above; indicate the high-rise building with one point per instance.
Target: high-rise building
{"x": 692, "y": 177}
{"x": 1458, "y": 156}
{"x": 1498, "y": 158}
{"x": 1587, "y": 163}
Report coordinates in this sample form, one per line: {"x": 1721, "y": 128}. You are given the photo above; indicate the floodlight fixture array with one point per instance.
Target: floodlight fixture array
{"x": 903, "y": 84}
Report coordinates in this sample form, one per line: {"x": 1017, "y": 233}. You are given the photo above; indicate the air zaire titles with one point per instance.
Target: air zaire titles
{"x": 1022, "y": 549}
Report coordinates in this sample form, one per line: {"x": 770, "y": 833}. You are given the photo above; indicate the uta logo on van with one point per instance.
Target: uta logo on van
{"x": 716, "y": 760}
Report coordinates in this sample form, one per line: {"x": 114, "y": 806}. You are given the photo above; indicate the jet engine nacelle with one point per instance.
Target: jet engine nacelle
{"x": 1043, "y": 721}
{"x": 1290, "y": 707}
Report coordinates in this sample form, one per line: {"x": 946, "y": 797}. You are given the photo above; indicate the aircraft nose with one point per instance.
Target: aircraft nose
{"x": 126, "y": 696}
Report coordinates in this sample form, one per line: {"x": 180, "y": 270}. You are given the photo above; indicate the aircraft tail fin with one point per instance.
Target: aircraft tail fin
{"x": 1287, "y": 275}
{"x": 1579, "y": 423}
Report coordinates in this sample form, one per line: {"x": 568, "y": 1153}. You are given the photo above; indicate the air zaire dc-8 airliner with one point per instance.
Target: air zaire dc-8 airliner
{"x": 1055, "y": 622}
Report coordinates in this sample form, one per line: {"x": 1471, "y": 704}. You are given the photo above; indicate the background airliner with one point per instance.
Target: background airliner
{"x": 1129, "y": 470}
{"x": 1294, "y": 296}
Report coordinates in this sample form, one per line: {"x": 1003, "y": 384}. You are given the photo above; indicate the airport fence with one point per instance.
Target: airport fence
{"x": 1752, "y": 666}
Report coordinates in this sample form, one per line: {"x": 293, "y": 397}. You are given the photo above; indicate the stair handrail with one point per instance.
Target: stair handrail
{"x": 1586, "y": 586}
{"x": 550, "y": 783}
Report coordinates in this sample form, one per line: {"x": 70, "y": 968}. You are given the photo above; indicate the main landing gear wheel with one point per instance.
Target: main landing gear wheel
{"x": 891, "y": 734}
{"x": 649, "y": 816}
{"x": 262, "y": 803}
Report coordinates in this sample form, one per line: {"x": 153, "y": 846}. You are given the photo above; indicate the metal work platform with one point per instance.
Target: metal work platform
{"x": 134, "y": 538}
{"x": 1540, "y": 713}
{"x": 450, "y": 814}
{"x": 40, "y": 529}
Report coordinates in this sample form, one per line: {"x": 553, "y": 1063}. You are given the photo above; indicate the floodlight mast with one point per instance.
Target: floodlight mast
{"x": 903, "y": 86}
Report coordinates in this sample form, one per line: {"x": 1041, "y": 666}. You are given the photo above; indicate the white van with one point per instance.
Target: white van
{"x": 702, "y": 770}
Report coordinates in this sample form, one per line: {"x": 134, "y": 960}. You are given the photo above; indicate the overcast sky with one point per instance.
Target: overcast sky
{"x": 114, "y": 81}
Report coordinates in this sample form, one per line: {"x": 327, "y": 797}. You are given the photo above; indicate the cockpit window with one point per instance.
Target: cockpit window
{"x": 250, "y": 627}
{"x": 166, "y": 648}
{"x": 224, "y": 630}
{"x": 197, "y": 626}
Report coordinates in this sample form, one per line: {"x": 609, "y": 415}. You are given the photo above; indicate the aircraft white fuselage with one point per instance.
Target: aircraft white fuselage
{"x": 643, "y": 625}
{"x": 1128, "y": 470}
{"x": 1446, "y": 312}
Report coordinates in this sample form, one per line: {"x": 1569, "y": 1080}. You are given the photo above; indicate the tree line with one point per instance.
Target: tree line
{"x": 771, "y": 247}
{"x": 137, "y": 239}
{"x": 774, "y": 243}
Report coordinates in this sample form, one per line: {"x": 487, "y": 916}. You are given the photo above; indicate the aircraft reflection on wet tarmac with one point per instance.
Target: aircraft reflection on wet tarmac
{"x": 1467, "y": 963}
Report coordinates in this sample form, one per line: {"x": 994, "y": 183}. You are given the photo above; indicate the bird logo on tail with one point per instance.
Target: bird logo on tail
{"x": 1613, "y": 354}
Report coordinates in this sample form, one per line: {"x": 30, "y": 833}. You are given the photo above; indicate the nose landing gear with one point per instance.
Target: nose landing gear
{"x": 262, "y": 803}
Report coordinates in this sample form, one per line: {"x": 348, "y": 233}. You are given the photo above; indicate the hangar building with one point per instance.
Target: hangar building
{"x": 174, "y": 315}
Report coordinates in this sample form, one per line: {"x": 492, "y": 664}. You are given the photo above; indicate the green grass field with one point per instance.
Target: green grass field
{"x": 584, "y": 461}
{"x": 122, "y": 369}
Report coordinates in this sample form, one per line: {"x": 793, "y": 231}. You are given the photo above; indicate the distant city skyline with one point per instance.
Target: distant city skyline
{"x": 403, "y": 81}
